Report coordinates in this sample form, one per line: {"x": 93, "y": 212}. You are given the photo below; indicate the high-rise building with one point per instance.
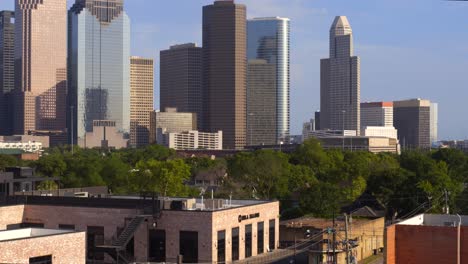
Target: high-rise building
{"x": 412, "y": 120}
{"x": 7, "y": 69}
{"x": 171, "y": 121}
{"x": 261, "y": 103}
{"x": 141, "y": 100}
{"x": 268, "y": 39}
{"x": 40, "y": 67}
{"x": 434, "y": 122}
{"x": 317, "y": 120}
{"x": 99, "y": 66}
{"x": 377, "y": 114}
{"x": 225, "y": 71}
{"x": 340, "y": 86}
{"x": 181, "y": 75}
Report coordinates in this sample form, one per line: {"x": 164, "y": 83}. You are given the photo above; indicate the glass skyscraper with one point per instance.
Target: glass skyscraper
{"x": 268, "y": 40}
{"x": 99, "y": 66}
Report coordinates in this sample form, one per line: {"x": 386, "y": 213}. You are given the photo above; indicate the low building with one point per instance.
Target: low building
{"x": 26, "y": 143}
{"x": 379, "y": 131}
{"x": 365, "y": 237}
{"x": 20, "y": 179}
{"x": 151, "y": 229}
{"x": 171, "y": 121}
{"x": 190, "y": 140}
{"x": 427, "y": 238}
{"x": 328, "y": 133}
{"x": 105, "y": 135}
{"x": 39, "y": 246}
{"x": 371, "y": 144}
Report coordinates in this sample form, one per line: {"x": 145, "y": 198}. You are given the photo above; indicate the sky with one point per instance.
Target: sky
{"x": 408, "y": 48}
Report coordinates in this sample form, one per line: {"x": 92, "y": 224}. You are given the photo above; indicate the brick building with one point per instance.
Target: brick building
{"x": 429, "y": 239}
{"x": 160, "y": 230}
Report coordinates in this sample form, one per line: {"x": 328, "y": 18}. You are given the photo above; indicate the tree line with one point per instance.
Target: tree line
{"x": 310, "y": 180}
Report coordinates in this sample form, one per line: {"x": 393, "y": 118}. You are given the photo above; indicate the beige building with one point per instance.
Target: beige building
{"x": 371, "y": 144}
{"x": 104, "y": 135}
{"x": 225, "y": 71}
{"x": 412, "y": 119}
{"x": 191, "y": 140}
{"x": 378, "y": 131}
{"x": 41, "y": 66}
{"x": 147, "y": 230}
{"x": 340, "y": 85}
{"x": 37, "y": 246}
{"x": 171, "y": 121}
{"x": 141, "y": 100}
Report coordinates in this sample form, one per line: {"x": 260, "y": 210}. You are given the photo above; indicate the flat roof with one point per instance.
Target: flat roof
{"x": 436, "y": 220}
{"x": 26, "y": 233}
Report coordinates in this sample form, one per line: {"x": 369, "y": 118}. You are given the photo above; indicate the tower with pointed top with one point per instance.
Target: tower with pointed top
{"x": 340, "y": 87}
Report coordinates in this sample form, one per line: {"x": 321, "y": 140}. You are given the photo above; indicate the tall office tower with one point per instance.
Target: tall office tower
{"x": 141, "y": 100}
{"x": 40, "y": 67}
{"x": 340, "y": 86}
{"x": 99, "y": 66}
{"x": 377, "y": 114}
{"x": 317, "y": 120}
{"x": 434, "y": 122}
{"x": 181, "y": 75}
{"x": 261, "y": 103}
{"x": 225, "y": 71}
{"x": 412, "y": 120}
{"x": 7, "y": 69}
{"x": 268, "y": 39}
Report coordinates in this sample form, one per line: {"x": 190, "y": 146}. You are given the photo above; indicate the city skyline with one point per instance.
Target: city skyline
{"x": 400, "y": 59}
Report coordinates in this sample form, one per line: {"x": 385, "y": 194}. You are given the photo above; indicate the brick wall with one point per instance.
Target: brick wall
{"x": 10, "y": 215}
{"x": 65, "y": 249}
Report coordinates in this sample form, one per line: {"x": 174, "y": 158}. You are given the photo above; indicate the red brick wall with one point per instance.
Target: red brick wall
{"x": 425, "y": 244}
{"x": 65, "y": 249}
{"x": 10, "y": 215}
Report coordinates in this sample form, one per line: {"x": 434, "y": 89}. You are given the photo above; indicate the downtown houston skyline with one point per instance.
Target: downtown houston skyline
{"x": 401, "y": 59}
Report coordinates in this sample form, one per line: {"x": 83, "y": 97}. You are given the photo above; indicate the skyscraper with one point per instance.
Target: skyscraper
{"x": 268, "y": 39}
{"x": 7, "y": 69}
{"x": 40, "y": 66}
{"x": 377, "y": 114}
{"x": 224, "y": 71}
{"x": 412, "y": 120}
{"x": 340, "y": 86}
{"x": 261, "y": 103}
{"x": 434, "y": 122}
{"x": 99, "y": 66}
{"x": 141, "y": 99}
{"x": 181, "y": 75}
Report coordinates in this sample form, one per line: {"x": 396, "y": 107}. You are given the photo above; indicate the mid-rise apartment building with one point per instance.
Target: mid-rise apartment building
{"x": 171, "y": 121}
{"x": 191, "y": 140}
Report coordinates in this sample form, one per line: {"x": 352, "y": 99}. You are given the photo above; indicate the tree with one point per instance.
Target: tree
{"x": 47, "y": 186}
{"x": 51, "y": 165}
{"x": 324, "y": 200}
{"x": 7, "y": 161}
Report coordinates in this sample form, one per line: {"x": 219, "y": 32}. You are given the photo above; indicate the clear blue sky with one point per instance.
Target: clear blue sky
{"x": 408, "y": 48}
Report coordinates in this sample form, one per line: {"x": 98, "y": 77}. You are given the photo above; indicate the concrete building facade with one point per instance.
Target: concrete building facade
{"x": 378, "y": 131}
{"x": 181, "y": 79}
{"x": 99, "y": 65}
{"x": 104, "y": 135}
{"x": 340, "y": 84}
{"x": 412, "y": 120}
{"x": 40, "y": 66}
{"x": 191, "y": 140}
{"x": 261, "y": 103}
{"x": 7, "y": 70}
{"x": 377, "y": 114}
{"x": 434, "y": 120}
{"x": 225, "y": 71}
{"x": 268, "y": 39}
{"x": 171, "y": 121}
{"x": 141, "y": 100}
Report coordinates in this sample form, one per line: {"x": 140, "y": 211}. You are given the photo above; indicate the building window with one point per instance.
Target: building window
{"x": 94, "y": 238}
{"x": 272, "y": 238}
{"x": 67, "y": 227}
{"x": 260, "y": 238}
{"x": 157, "y": 247}
{"x": 188, "y": 246}
{"x": 248, "y": 241}
{"x": 221, "y": 246}
{"x": 41, "y": 260}
{"x": 235, "y": 243}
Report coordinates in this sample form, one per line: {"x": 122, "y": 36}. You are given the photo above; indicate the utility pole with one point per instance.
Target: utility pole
{"x": 346, "y": 239}
{"x": 447, "y": 209}
{"x": 71, "y": 123}
{"x": 459, "y": 239}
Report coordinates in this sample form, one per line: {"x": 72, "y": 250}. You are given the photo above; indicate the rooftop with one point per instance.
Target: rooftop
{"x": 436, "y": 220}
{"x": 29, "y": 233}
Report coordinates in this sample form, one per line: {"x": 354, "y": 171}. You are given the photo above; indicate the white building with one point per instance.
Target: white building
{"x": 377, "y": 114}
{"x": 329, "y": 133}
{"x": 434, "y": 120}
{"x": 30, "y": 146}
{"x": 192, "y": 139}
{"x": 379, "y": 131}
